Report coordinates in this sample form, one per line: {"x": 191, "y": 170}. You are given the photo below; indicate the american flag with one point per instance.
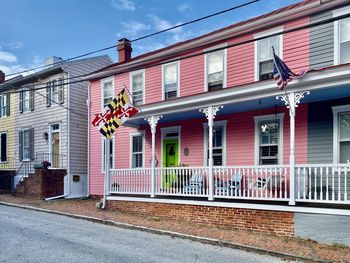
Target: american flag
{"x": 281, "y": 73}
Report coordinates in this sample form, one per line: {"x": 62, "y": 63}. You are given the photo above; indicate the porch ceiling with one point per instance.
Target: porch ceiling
{"x": 325, "y": 85}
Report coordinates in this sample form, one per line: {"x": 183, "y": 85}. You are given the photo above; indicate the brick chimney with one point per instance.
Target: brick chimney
{"x": 2, "y": 77}
{"x": 124, "y": 50}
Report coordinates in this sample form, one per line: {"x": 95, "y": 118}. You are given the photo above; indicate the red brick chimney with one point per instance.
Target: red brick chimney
{"x": 124, "y": 50}
{"x": 2, "y": 77}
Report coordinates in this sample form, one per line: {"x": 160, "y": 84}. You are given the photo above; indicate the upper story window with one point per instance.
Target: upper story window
{"x": 341, "y": 37}
{"x": 107, "y": 92}
{"x": 219, "y": 143}
{"x": 54, "y": 92}
{"x": 137, "y": 80}
{"x": 26, "y": 100}
{"x": 264, "y": 54}
{"x": 215, "y": 70}
{"x": 341, "y": 136}
{"x": 5, "y": 105}
{"x": 171, "y": 80}
{"x": 268, "y": 139}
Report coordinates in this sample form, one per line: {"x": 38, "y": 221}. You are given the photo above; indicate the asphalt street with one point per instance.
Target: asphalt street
{"x": 32, "y": 236}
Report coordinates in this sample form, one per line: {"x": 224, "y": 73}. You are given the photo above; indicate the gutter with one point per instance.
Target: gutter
{"x": 68, "y": 135}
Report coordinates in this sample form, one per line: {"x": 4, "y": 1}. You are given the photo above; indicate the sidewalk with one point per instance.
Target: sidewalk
{"x": 292, "y": 246}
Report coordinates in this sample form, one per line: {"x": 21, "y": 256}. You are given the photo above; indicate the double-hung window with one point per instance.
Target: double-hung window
{"x": 268, "y": 139}
{"x": 137, "y": 80}
{"x": 5, "y": 105}
{"x": 26, "y": 144}
{"x": 215, "y": 70}
{"x": 171, "y": 80}
{"x": 137, "y": 153}
{"x": 26, "y": 99}
{"x": 341, "y": 137}
{"x": 107, "y": 92}
{"x": 264, "y": 54}
{"x": 54, "y": 92}
{"x": 111, "y": 154}
{"x": 219, "y": 143}
{"x": 342, "y": 37}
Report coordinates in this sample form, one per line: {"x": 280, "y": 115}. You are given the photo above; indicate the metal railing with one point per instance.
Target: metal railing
{"x": 55, "y": 160}
{"x": 323, "y": 183}
{"x": 8, "y": 164}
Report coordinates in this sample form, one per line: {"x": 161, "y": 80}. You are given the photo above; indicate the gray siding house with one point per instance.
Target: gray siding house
{"x": 52, "y": 118}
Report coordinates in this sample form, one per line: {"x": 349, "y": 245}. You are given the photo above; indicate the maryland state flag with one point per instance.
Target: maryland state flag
{"x": 114, "y": 114}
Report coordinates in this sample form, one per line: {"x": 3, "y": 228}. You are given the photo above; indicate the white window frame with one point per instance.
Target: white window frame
{"x": 3, "y": 106}
{"x": 178, "y": 78}
{"x": 25, "y": 91}
{"x": 263, "y": 34}
{"x": 1, "y": 133}
{"x": 215, "y": 124}
{"x": 211, "y": 50}
{"x": 23, "y": 131}
{"x": 336, "y": 149}
{"x": 131, "y": 74}
{"x": 271, "y": 117}
{"x": 133, "y": 134}
{"x": 51, "y": 80}
{"x": 103, "y": 141}
{"x": 103, "y": 81}
{"x": 163, "y": 132}
{"x": 337, "y": 13}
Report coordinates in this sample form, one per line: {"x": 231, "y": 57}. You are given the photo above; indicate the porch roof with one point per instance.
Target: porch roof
{"x": 326, "y": 84}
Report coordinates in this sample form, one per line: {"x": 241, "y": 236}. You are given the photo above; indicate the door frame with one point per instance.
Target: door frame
{"x": 164, "y": 132}
{"x": 50, "y": 139}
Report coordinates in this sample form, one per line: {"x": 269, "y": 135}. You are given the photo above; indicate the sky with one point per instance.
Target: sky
{"x": 33, "y": 30}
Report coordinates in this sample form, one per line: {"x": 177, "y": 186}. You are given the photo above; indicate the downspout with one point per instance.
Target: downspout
{"x": 68, "y": 135}
{"x": 88, "y": 152}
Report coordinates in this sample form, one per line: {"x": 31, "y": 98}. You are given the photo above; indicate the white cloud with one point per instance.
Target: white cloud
{"x": 7, "y": 57}
{"x": 127, "y": 5}
{"x": 13, "y": 68}
{"x": 184, "y": 7}
{"x": 162, "y": 24}
{"x": 133, "y": 28}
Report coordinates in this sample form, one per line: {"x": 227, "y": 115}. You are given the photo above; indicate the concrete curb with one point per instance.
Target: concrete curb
{"x": 204, "y": 240}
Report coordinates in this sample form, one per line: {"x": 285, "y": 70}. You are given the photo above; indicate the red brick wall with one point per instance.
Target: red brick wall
{"x": 280, "y": 223}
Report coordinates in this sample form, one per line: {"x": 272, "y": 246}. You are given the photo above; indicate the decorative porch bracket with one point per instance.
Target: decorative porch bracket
{"x": 210, "y": 113}
{"x": 153, "y": 121}
{"x": 292, "y": 100}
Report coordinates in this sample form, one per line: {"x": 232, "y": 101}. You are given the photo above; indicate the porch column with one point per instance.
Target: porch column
{"x": 292, "y": 101}
{"x": 153, "y": 121}
{"x": 210, "y": 113}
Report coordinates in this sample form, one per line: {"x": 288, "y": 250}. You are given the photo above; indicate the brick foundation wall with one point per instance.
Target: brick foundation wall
{"x": 266, "y": 221}
{"x": 43, "y": 183}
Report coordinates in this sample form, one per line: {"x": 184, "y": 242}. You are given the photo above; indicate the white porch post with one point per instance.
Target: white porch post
{"x": 292, "y": 101}
{"x": 153, "y": 121}
{"x": 210, "y": 113}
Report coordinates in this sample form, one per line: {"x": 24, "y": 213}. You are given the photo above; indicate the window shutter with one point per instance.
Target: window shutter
{"x": 1, "y": 101}
{"x": 31, "y": 143}
{"x": 60, "y": 91}
{"x": 31, "y": 99}
{"x": 20, "y": 145}
{"x": 48, "y": 94}
{"x": 8, "y": 105}
{"x": 4, "y": 147}
{"x": 21, "y": 102}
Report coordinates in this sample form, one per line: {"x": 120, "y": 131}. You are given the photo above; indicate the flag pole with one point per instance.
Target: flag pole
{"x": 107, "y": 171}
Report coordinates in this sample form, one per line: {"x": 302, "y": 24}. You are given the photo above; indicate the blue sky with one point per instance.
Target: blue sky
{"x": 31, "y": 31}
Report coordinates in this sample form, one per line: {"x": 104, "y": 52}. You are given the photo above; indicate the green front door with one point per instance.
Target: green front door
{"x": 170, "y": 159}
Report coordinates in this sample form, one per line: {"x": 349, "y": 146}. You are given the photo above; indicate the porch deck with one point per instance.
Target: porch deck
{"x": 321, "y": 183}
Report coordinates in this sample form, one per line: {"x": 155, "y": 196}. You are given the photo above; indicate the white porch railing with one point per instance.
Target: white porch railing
{"x": 323, "y": 183}
{"x": 244, "y": 182}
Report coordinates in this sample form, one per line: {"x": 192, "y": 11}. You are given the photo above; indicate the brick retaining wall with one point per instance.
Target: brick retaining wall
{"x": 266, "y": 221}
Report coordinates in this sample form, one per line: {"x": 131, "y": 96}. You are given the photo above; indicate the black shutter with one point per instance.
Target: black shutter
{"x": 31, "y": 98}
{"x": 3, "y": 147}
{"x": 31, "y": 144}
{"x": 60, "y": 91}
{"x": 21, "y": 101}
{"x": 20, "y": 145}
{"x": 1, "y": 101}
{"x": 8, "y": 105}
{"x": 48, "y": 94}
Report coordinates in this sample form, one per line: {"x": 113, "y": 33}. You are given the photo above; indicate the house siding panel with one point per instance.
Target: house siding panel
{"x": 192, "y": 75}
{"x": 153, "y": 84}
{"x": 321, "y": 42}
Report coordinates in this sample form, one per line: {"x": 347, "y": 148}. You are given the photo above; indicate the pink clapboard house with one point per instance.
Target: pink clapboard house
{"x": 208, "y": 110}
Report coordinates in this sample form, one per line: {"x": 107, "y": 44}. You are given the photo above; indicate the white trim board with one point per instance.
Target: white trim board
{"x": 295, "y": 209}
